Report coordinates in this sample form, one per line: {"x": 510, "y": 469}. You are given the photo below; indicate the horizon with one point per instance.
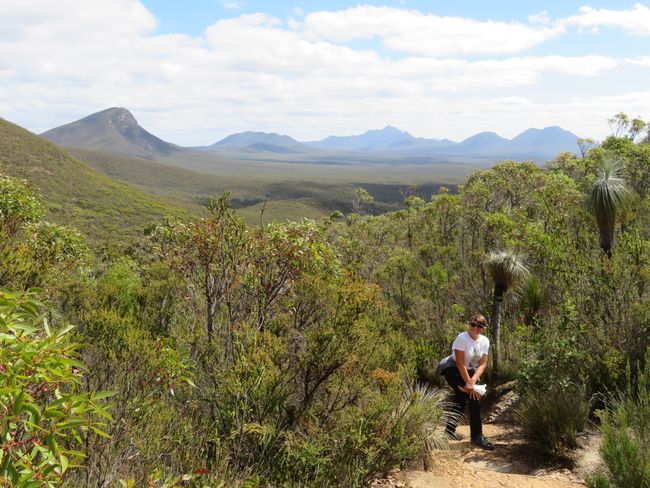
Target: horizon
{"x": 207, "y": 69}
{"x": 389, "y": 126}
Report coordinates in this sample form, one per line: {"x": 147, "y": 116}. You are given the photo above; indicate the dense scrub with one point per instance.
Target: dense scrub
{"x": 298, "y": 354}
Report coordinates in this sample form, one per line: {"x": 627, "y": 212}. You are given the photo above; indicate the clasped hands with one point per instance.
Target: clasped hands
{"x": 469, "y": 389}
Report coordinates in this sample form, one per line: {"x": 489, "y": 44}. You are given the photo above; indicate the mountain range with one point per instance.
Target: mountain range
{"x": 115, "y": 130}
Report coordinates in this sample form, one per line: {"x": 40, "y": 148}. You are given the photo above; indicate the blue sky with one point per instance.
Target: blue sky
{"x": 196, "y": 71}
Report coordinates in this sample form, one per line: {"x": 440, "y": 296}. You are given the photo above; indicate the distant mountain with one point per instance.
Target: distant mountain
{"x": 483, "y": 141}
{"x": 387, "y": 139}
{"x": 116, "y": 131}
{"x": 550, "y": 139}
{"x": 75, "y": 194}
{"x": 113, "y": 130}
{"x": 370, "y": 141}
{"x": 538, "y": 144}
{"x": 257, "y": 140}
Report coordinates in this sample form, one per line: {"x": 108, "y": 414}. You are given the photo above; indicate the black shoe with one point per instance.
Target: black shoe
{"x": 455, "y": 436}
{"x": 483, "y": 443}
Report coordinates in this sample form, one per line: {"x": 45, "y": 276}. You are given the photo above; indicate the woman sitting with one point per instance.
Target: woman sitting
{"x": 469, "y": 359}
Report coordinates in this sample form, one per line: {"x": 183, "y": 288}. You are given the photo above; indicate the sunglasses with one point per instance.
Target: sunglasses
{"x": 478, "y": 326}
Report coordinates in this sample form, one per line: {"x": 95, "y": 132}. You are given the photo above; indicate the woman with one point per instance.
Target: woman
{"x": 469, "y": 360}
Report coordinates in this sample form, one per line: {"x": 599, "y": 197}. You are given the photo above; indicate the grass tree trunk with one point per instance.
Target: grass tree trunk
{"x": 497, "y": 301}
{"x": 606, "y": 228}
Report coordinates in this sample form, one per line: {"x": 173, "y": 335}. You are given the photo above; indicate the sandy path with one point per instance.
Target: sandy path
{"x": 511, "y": 465}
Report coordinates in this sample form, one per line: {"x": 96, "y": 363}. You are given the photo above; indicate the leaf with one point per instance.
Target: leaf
{"x": 70, "y": 424}
{"x": 104, "y": 394}
{"x": 51, "y": 443}
{"x": 18, "y": 403}
{"x": 100, "y": 432}
{"x": 34, "y": 411}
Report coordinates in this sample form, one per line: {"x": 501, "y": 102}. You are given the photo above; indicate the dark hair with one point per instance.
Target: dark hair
{"x": 478, "y": 319}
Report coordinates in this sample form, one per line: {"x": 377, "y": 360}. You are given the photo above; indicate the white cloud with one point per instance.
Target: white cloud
{"x": 427, "y": 35}
{"x": 540, "y": 18}
{"x": 642, "y": 61}
{"x": 234, "y": 5}
{"x": 635, "y": 21}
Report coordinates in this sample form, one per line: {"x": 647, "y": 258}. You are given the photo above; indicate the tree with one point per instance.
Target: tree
{"x": 609, "y": 194}
{"x": 211, "y": 254}
{"x": 585, "y": 144}
{"x": 636, "y": 127}
{"x": 507, "y": 269}
{"x": 619, "y": 124}
{"x": 362, "y": 199}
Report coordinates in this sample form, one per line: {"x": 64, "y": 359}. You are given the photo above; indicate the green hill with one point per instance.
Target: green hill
{"x": 114, "y": 130}
{"x": 76, "y": 194}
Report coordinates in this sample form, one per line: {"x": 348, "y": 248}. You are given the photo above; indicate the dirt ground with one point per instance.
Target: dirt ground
{"x": 511, "y": 465}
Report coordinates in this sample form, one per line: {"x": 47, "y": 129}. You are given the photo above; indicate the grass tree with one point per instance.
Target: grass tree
{"x": 609, "y": 196}
{"x": 507, "y": 269}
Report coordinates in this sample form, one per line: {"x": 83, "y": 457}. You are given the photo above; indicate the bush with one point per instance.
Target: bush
{"x": 552, "y": 419}
{"x": 626, "y": 436}
{"x": 44, "y": 412}
{"x": 377, "y": 435}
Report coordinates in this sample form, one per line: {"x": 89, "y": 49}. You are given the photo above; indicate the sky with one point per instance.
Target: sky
{"x": 196, "y": 71}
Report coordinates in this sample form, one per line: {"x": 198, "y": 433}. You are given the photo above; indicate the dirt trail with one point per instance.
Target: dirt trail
{"x": 511, "y": 465}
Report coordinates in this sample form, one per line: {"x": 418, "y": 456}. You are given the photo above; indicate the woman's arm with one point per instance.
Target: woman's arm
{"x": 460, "y": 364}
{"x": 482, "y": 364}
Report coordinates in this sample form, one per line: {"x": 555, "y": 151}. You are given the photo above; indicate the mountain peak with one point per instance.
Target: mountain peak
{"x": 118, "y": 117}
{"x": 114, "y": 130}
{"x": 250, "y": 138}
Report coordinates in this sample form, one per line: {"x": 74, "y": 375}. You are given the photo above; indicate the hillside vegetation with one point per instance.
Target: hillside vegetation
{"x": 75, "y": 194}
{"x": 304, "y": 353}
{"x": 288, "y": 196}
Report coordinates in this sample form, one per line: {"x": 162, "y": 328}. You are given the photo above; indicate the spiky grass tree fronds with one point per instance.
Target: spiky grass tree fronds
{"x": 424, "y": 412}
{"x": 610, "y": 194}
{"x": 507, "y": 270}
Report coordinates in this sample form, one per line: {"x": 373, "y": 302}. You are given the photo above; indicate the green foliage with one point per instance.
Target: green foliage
{"x": 378, "y": 434}
{"x": 552, "y": 418}
{"x": 31, "y": 250}
{"x": 555, "y": 356}
{"x": 626, "y": 435}
{"x": 44, "y": 411}
{"x": 19, "y": 205}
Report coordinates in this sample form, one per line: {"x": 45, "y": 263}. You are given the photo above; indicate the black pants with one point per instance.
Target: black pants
{"x": 461, "y": 399}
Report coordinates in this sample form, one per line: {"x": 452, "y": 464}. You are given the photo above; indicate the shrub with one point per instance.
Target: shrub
{"x": 44, "y": 414}
{"x": 379, "y": 434}
{"x": 626, "y": 436}
{"x": 552, "y": 418}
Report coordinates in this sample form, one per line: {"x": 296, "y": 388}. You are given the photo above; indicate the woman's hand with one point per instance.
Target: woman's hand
{"x": 474, "y": 395}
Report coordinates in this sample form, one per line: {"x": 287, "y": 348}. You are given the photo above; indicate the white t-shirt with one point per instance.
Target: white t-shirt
{"x": 474, "y": 350}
